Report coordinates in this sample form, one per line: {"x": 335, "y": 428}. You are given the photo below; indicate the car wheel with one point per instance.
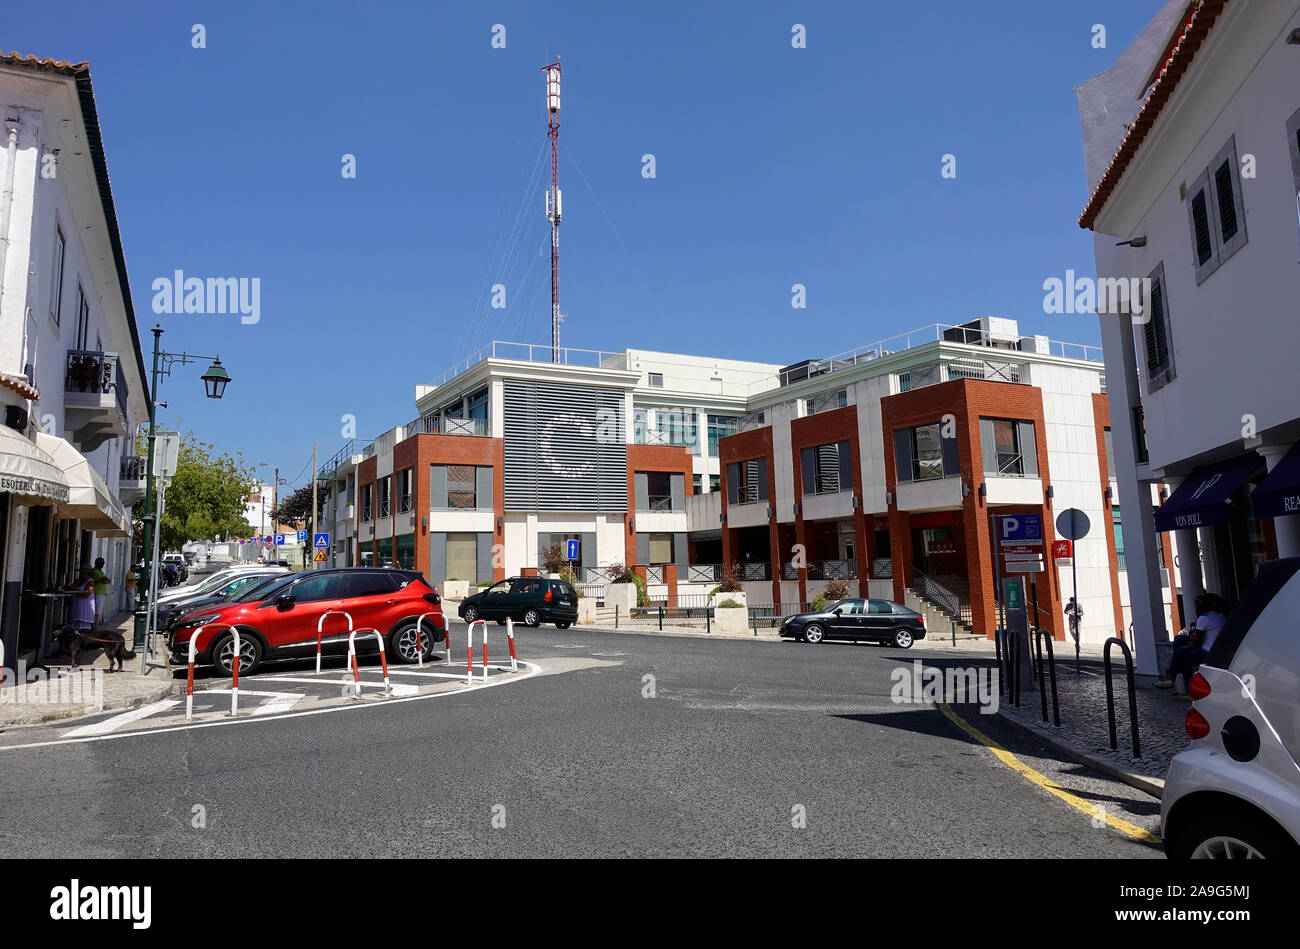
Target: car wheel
{"x": 813, "y": 634}
{"x": 532, "y": 618}
{"x": 250, "y": 654}
{"x": 1232, "y": 837}
{"x": 403, "y": 643}
{"x": 470, "y": 614}
{"x": 564, "y": 625}
{"x": 903, "y": 638}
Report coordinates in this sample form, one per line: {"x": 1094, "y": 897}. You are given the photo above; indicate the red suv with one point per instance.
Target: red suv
{"x": 280, "y": 621}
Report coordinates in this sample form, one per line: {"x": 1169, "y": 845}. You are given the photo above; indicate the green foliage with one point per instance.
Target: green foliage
{"x": 484, "y": 584}
{"x": 297, "y": 506}
{"x": 837, "y": 590}
{"x": 621, "y": 573}
{"x": 571, "y": 577}
{"x": 552, "y": 558}
{"x": 730, "y": 580}
{"x": 205, "y": 497}
{"x": 819, "y": 603}
{"x": 729, "y": 605}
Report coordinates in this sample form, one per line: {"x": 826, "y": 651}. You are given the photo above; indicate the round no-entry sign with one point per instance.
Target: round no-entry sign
{"x": 1072, "y": 524}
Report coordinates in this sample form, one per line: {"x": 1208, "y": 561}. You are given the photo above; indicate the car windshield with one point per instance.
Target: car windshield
{"x": 211, "y": 584}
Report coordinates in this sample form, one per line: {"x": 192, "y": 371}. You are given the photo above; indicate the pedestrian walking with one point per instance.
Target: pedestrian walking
{"x": 1074, "y": 615}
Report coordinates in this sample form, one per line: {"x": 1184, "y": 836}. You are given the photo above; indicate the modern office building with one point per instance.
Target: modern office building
{"x": 72, "y": 378}
{"x": 879, "y": 467}
{"x": 1192, "y": 148}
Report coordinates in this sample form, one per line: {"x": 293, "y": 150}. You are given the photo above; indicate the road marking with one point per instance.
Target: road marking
{"x": 1046, "y": 783}
{"x": 532, "y": 670}
{"x": 280, "y": 701}
{"x": 398, "y": 688}
{"x": 117, "y": 721}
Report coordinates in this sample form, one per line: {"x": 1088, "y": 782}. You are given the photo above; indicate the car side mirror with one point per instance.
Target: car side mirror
{"x": 836, "y": 611}
{"x": 284, "y": 601}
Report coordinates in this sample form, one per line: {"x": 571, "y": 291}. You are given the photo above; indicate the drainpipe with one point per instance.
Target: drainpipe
{"x": 7, "y": 198}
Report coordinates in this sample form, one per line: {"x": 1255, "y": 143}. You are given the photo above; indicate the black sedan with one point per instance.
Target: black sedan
{"x": 879, "y": 621}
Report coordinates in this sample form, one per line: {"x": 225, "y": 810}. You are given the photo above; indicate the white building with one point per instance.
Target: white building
{"x": 1192, "y": 147}
{"x": 72, "y": 378}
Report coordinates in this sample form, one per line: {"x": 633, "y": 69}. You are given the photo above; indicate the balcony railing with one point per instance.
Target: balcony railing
{"x": 683, "y": 439}
{"x": 756, "y": 571}
{"x": 385, "y": 507}
{"x": 882, "y": 568}
{"x": 654, "y": 573}
{"x": 406, "y": 504}
{"x": 822, "y": 570}
{"x": 336, "y": 460}
{"x": 133, "y": 469}
{"x": 433, "y": 424}
{"x": 367, "y": 514}
{"x": 704, "y": 573}
{"x": 96, "y": 372}
{"x": 659, "y": 502}
{"x": 1011, "y": 465}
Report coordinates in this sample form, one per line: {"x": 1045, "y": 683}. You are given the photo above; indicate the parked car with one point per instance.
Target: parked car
{"x": 280, "y": 621}
{"x": 528, "y": 600}
{"x": 213, "y": 580}
{"x": 190, "y": 556}
{"x": 859, "y": 620}
{"x": 1235, "y": 792}
{"x": 239, "y": 585}
{"x": 177, "y": 563}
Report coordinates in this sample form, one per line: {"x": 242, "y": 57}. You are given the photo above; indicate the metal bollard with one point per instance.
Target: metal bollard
{"x": 616, "y": 609}
{"x": 661, "y": 619}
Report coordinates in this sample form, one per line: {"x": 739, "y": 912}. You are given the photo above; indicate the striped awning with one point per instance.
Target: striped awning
{"x": 28, "y": 472}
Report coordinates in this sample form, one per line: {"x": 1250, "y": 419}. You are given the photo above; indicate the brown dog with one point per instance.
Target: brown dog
{"x": 73, "y": 641}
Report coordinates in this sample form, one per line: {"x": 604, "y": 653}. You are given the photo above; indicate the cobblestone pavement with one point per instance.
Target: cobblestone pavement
{"x": 1084, "y": 721}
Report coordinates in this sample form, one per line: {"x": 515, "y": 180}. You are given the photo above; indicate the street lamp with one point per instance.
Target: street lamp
{"x": 215, "y": 381}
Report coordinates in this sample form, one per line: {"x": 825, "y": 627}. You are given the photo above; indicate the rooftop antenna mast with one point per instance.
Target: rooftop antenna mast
{"x": 553, "y": 197}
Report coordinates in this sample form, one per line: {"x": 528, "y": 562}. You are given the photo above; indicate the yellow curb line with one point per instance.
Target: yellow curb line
{"x": 1047, "y": 784}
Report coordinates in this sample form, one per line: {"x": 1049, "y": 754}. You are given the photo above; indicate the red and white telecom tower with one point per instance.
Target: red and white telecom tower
{"x": 553, "y": 198}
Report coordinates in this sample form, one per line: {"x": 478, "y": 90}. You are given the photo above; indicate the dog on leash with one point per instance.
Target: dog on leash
{"x": 73, "y": 641}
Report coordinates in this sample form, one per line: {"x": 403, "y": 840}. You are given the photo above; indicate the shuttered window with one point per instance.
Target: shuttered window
{"x": 827, "y": 469}
{"x": 1156, "y": 333}
{"x": 1293, "y": 147}
{"x": 1216, "y": 214}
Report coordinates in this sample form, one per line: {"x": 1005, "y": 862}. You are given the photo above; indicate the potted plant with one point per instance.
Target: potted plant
{"x": 626, "y": 589}
{"x": 731, "y": 616}
{"x": 83, "y": 372}
{"x": 453, "y": 588}
{"x": 553, "y": 561}
{"x": 730, "y": 586}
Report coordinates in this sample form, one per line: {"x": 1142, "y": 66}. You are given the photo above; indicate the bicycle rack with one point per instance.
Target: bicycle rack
{"x": 1039, "y": 636}
{"x": 1132, "y": 695}
{"x": 352, "y": 659}
{"x": 998, "y": 634}
{"x": 419, "y": 643}
{"x": 320, "y": 624}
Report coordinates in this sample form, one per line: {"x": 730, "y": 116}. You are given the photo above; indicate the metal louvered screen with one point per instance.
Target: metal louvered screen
{"x": 1201, "y": 221}
{"x": 565, "y": 447}
{"x": 1227, "y": 204}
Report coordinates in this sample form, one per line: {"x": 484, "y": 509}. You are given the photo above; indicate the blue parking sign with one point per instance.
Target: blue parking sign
{"x": 302, "y": 536}
{"x": 279, "y": 540}
{"x": 570, "y": 550}
{"x": 1015, "y": 530}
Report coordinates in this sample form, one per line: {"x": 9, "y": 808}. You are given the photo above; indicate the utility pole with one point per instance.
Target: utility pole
{"x": 275, "y": 508}
{"x": 553, "y": 198}
{"x": 315, "y": 483}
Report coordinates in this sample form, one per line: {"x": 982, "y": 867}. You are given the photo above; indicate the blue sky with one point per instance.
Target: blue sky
{"x": 774, "y": 166}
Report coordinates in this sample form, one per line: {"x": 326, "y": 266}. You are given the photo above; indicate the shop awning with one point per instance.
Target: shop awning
{"x": 1202, "y": 499}
{"x": 88, "y": 496}
{"x": 29, "y": 472}
{"x": 1279, "y": 493}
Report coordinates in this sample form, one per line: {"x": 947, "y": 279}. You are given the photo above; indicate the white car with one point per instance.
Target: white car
{"x": 216, "y": 579}
{"x": 1235, "y": 792}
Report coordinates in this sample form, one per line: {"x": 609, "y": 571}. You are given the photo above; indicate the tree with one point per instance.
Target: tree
{"x": 205, "y": 497}
{"x": 296, "y": 508}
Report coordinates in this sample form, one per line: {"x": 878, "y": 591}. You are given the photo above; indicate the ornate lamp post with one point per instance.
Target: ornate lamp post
{"x": 215, "y": 381}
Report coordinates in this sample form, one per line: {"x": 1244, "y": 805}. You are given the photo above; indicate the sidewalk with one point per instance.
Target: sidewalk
{"x": 91, "y": 689}
{"x": 1084, "y": 732}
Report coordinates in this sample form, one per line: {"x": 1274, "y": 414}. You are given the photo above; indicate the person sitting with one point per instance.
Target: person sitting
{"x": 1191, "y": 648}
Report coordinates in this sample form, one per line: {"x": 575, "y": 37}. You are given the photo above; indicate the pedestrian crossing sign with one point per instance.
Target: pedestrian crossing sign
{"x": 320, "y": 556}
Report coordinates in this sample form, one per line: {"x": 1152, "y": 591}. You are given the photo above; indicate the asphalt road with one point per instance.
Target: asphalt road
{"x": 734, "y": 748}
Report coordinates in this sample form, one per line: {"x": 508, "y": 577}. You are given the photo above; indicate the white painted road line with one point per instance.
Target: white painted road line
{"x": 280, "y": 701}
{"x": 398, "y": 689}
{"x": 117, "y": 721}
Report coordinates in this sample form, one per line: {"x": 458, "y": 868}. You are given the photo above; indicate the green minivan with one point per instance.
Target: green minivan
{"x": 528, "y": 600}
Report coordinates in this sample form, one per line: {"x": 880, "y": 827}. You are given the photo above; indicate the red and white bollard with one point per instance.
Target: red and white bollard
{"x": 234, "y": 685}
{"x": 383, "y": 661}
{"x": 419, "y": 640}
{"x": 469, "y": 650}
{"x": 485, "y": 652}
{"x": 510, "y": 635}
{"x": 189, "y": 685}
{"x": 320, "y": 624}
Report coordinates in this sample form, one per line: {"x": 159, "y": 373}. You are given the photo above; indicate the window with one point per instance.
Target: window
{"x": 405, "y": 551}
{"x": 1110, "y": 452}
{"x": 460, "y": 486}
{"x": 385, "y": 495}
{"x": 367, "y": 501}
{"x": 715, "y": 482}
{"x": 747, "y": 481}
{"x": 322, "y": 586}
{"x": 826, "y": 400}
{"x": 1158, "y": 354}
{"x": 83, "y": 317}
{"x": 675, "y": 426}
{"x": 56, "y": 292}
{"x": 661, "y": 548}
{"x": 1010, "y": 450}
{"x": 477, "y": 404}
{"x": 827, "y": 469}
{"x": 367, "y": 584}
{"x": 697, "y": 484}
{"x": 1215, "y": 212}
{"x": 880, "y": 606}
{"x": 1119, "y": 538}
{"x": 406, "y": 491}
{"x": 923, "y": 453}
{"x": 659, "y": 491}
{"x": 720, "y": 426}
{"x": 657, "y": 380}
